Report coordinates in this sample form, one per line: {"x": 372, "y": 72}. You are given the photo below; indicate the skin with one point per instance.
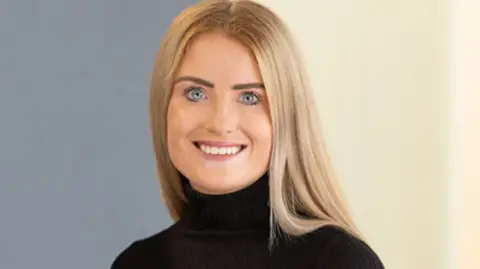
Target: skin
{"x": 218, "y": 95}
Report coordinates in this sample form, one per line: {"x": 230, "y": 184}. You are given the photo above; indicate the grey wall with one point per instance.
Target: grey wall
{"x": 77, "y": 176}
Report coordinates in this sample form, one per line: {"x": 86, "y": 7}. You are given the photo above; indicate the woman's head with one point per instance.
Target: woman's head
{"x": 219, "y": 132}
{"x": 209, "y": 56}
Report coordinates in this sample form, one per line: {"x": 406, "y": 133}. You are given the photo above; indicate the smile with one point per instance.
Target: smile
{"x": 219, "y": 149}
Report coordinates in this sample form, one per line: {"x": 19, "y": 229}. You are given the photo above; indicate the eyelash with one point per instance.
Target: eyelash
{"x": 189, "y": 89}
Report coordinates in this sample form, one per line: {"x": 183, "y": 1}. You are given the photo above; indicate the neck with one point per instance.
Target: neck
{"x": 245, "y": 209}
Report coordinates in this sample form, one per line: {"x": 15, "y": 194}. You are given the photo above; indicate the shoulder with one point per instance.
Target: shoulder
{"x": 341, "y": 250}
{"x": 137, "y": 254}
{"x": 129, "y": 257}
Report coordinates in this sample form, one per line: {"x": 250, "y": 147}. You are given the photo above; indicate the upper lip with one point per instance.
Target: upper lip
{"x": 218, "y": 143}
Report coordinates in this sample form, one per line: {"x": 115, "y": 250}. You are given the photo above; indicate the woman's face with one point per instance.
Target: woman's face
{"x": 218, "y": 123}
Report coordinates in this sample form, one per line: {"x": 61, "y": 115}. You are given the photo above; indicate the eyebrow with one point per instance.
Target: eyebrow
{"x": 206, "y": 83}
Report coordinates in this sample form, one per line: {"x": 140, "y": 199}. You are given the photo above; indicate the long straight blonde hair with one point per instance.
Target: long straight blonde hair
{"x": 301, "y": 174}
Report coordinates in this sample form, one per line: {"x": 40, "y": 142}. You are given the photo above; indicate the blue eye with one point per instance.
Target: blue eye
{"x": 250, "y": 98}
{"x": 194, "y": 94}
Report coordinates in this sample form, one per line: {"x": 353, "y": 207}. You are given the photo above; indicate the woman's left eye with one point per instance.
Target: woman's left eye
{"x": 249, "y": 98}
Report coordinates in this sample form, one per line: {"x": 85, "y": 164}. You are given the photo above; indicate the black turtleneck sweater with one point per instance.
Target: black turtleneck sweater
{"x": 231, "y": 232}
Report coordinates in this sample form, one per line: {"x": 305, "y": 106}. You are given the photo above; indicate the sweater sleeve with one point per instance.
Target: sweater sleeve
{"x": 344, "y": 251}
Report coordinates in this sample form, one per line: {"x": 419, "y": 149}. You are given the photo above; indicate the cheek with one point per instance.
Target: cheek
{"x": 173, "y": 117}
{"x": 179, "y": 124}
{"x": 259, "y": 129}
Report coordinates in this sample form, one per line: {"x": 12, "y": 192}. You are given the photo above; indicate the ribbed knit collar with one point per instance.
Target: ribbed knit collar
{"x": 243, "y": 210}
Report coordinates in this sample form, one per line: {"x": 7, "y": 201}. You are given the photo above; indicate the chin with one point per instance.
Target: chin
{"x": 218, "y": 185}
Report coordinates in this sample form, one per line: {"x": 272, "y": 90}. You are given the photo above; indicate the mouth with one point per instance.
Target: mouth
{"x": 219, "y": 149}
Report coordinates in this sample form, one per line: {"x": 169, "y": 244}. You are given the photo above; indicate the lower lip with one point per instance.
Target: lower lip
{"x": 218, "y": 157}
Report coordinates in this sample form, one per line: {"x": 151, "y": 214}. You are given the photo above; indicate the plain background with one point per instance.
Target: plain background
{"x": 77, "y": 175}
{"x": 398, "y": 88}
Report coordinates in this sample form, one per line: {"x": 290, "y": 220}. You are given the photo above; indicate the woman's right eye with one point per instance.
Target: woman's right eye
{"x": 194, "y": 94}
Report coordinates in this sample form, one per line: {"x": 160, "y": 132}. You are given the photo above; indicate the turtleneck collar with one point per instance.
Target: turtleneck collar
{"x": 244, "y": 210}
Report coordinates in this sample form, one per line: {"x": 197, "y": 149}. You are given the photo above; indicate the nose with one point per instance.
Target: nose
{"x": 222, "y": 119}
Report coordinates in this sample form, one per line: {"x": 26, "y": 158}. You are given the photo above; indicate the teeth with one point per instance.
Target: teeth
{"x": 219, "y": 150}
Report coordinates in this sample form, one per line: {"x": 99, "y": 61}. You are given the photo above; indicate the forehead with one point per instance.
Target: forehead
{"x": 218, "y": 56}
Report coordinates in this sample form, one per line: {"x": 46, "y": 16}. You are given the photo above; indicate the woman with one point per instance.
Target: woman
{"x": 241, "y": 165}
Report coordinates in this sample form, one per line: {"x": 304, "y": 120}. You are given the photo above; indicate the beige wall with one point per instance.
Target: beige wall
{"x": 465, "y": 130}
{"x": 380, "y": 71}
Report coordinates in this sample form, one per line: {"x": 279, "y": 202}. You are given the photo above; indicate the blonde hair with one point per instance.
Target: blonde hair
{"x": 301, "y": 174}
